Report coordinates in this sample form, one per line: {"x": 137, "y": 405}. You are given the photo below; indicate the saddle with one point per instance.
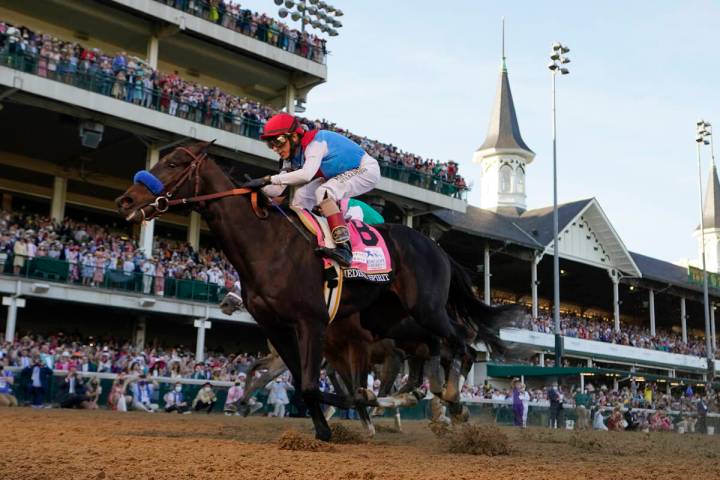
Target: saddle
{"x": 371, "y": 259}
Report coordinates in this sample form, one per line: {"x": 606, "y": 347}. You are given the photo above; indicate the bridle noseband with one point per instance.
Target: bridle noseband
{"x": 164, "y": 201}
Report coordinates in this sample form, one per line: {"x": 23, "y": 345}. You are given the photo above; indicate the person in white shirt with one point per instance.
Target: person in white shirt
{"x": 278, "y": 396}
{"x": 148, "y": 270}
{"x": 175, "y": 400}
{"x": 525, "y": 398}
{"x": 128, "y": 265}
{"x": 598, "y": 421}
{"x": 142, "y": 392}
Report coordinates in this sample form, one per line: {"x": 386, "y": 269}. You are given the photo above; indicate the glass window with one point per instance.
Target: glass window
{"x": 519, "y": 180}
{"x": 505, "y": 179}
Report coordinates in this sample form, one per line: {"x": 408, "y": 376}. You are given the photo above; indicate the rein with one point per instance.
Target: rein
{"x": 163, "y": 202}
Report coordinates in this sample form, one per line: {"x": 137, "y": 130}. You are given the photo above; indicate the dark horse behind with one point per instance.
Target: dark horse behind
{"x": 282, "y": 276}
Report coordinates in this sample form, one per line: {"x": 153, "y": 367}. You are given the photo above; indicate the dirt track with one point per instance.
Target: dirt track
{"x": 70, "y": 444}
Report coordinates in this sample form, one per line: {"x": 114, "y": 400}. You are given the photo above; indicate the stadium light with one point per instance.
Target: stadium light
{"x": 703, "y": 136}
{"x": 557, "y": 62}
{"x": 302, "y": 10}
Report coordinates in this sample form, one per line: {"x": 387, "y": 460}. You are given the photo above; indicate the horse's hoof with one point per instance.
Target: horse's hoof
{"x": 323, "y": 435}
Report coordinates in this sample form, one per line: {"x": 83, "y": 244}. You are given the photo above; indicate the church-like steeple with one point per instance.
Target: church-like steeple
{"x": 711, "y": 206}
{"x": 504, "y": 131}
{"x": 711, "y": 222}
{"x": 504, "y": 155}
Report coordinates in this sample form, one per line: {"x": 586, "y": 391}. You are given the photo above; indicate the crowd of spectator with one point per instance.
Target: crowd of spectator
{"x": 131, "y": 79}
{"x": 602, "y": 330}
{"x": 230, "y": 14}
{"x": 92, "y": 251}
{"x": 637, "y": 406}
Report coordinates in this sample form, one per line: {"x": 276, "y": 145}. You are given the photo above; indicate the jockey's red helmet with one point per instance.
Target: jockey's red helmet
{"x": 281, "y": 124}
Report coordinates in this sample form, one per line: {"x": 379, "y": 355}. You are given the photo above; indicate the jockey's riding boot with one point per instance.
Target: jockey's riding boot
{"x": 342, "y": 253}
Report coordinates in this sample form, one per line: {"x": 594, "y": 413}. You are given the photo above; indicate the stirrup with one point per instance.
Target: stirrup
{"x": 341, "y": 254}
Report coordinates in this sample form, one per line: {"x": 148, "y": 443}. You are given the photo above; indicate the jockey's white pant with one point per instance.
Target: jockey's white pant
{"x": 346, "y": 185}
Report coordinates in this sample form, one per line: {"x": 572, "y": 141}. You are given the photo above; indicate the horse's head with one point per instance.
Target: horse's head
{"x": 176, "y": 175}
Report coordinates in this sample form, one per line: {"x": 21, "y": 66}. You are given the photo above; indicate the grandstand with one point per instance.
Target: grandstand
{"x": 73, "y": 138}
{"x": 74, "y": 134}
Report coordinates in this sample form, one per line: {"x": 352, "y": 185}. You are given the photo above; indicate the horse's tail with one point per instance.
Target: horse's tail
{"x": 483, "y": 319}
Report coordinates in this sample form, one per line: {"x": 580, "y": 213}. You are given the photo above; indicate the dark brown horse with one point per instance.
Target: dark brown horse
{"x": 282, "y": 276}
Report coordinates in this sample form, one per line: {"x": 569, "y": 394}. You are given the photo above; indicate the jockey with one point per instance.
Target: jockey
{"x": 329, "y": 167}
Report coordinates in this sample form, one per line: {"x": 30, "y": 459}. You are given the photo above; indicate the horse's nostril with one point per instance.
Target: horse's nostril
{"x": 124, "y": 202}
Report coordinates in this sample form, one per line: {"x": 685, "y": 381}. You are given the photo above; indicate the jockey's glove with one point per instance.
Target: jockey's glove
{"x": 257, "y": 182}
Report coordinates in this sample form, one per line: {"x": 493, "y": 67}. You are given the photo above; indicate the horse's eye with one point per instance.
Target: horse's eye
{"x": 172, "y": 165}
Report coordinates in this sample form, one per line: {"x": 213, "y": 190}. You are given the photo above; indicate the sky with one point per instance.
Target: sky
{"x": 422, "y": 75}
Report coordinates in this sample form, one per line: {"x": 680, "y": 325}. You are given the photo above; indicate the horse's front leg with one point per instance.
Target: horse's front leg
{"x": 311, "y": 341}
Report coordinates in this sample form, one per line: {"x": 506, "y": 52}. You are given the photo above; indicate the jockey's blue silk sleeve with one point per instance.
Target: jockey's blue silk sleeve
{"x": 314, "y": 154}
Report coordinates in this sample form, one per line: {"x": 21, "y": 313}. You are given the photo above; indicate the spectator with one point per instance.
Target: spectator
{"x": 72, "y": 391}
{"x": 582, "y": 405}
{"x": 175, "y": 400}
{"x": 556, "y": 400}
{"x": 278, "y": 397}
{"x": 7, "y": 379}
{"x": 517, "y": 403}
{"x": 39, "y": 381}
{"x": 702, "y": 411}
{"x": 92, "y": 392}
{"x": 599, "y": 421}
{"x": 148, "y": 270}
{"x": 119, "y": 399}
{"x": 205, "y": 398}
{"x": 525, "y": 399}
{"x": 19, "y": 254}
{"x": 142, "y": 394}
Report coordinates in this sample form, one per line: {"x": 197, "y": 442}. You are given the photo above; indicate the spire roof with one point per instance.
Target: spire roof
{"x": 504, "y": 131}
{"x": 711, "y": 206}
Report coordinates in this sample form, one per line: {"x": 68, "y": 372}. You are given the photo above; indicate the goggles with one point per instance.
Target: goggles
{"x": 276, "y": 142}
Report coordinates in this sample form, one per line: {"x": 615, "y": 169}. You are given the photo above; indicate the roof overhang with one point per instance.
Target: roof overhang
{"x": 619, "y": 255}
{"x": 493, "y": 151}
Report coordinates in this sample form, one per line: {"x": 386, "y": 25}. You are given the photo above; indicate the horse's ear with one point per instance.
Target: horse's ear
{"x": 202, "y": 147}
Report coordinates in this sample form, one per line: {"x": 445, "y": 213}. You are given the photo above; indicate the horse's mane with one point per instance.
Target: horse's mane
{"x": 231, "y": 169}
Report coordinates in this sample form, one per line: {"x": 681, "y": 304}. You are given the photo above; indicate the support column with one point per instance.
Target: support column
{"x": 147, "y": 229}
{"x": 139, "y": 333}
{"x": 683, "y": 319}
{"x": 193, "y": 233}
{"x": 13, "y": 303}
{"x": 290, "y": 98}
{"x": 582, "y": 382}
{"x": 408, "y": 220}
{"x": 541, "y": 360}
{"x": 57, "y": 206}
{"x": 486, "y": 274}
{"x": 713, "y": 337}
{"x": 651, "y": 306}
{"x": 153, "y": 47}
{"x": 534, "y": 285}
{"x": 201, "y": 325}
{"x": 615, "y": 277}
{"x": 589, "y": 363}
